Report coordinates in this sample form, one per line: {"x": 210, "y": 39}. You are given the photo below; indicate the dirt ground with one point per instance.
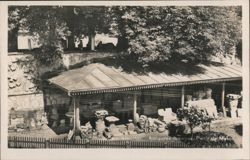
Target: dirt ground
{"x": 231, "y": 127}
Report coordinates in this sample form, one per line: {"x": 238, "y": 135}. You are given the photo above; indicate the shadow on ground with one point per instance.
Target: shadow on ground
{"x": 238, "y": 129}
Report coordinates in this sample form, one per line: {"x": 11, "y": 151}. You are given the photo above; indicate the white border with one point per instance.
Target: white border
{"x": 114, "y": 154}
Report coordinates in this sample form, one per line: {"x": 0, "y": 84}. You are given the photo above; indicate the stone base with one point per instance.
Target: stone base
{"x": 233, "y": 114}
{"x": 239, "y": 112}
{"x": 116, "y": 132}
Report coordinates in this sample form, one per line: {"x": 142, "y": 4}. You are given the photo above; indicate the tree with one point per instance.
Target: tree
{"x": 91, "y": 20}
{"x": 51, "y": 25}
{"x": 165, "y": 34}
{"x": 50, "y": 29}
{"x": 15, "y": 23}
{"x": 149, "y": 33}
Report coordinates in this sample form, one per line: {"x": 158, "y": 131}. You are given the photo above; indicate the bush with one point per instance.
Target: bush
{"x": 194, "y": 117}
{"x": 176, "y": 129}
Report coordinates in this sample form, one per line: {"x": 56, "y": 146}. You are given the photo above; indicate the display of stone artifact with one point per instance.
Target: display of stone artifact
{"x": 107, "y": 133}
{"x": 208, "y": 93}
{"x": 206, "y": 104}
{"x": 62, "y": 123}
{"x": 32, "y": 124}
{"x": 70, "y": 114}
{"x": 131, "y": 127}
{"x": 189, "y": 97}
{"x": 113, "y": 129}
{"x": 137, "y": 117}
{"x": 199, "y": 94}
{"x": 161, "y": 128}
{"x": 166, "y": 115}
{"x": 44, "y": 119}
{"x": 232, "y": 104}
{"x": 86, "y": 130}
{"x": 54, "y": 117}
{"x": 111, "y": 120}
{"x": 142, "y": 121}
{"x": 152, "y": 126}
{"x": 100, "y": 125}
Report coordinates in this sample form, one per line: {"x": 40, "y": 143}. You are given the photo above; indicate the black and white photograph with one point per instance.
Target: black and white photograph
{"x": 116, "y": 76}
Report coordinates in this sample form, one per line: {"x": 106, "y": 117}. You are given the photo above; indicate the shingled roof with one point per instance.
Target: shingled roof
{"x": 100, "y": 78}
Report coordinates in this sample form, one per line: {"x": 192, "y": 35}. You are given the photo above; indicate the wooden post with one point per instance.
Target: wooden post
{"x": 223, "y": 99}
{"x": 182, "y": 96}
{"x": 92, "y": 42}
{"x": 76, "y": 114}
{"x": 29, "y": 44}
{"x": 74, "y": 118}
{"x": 135, "y": 107}
{"x": 47, "y": 143}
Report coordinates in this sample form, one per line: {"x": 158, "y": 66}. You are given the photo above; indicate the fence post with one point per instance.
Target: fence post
{"x": 87, "y": 142}
{"x": 15, "y": 142}
{"x": 165, "y": 144}
{"x": 127, "y": 144}
{"x": 47, "y": 143}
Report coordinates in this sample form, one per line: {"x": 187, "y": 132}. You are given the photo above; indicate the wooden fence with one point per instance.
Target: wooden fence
{"x": 30, "y": 142}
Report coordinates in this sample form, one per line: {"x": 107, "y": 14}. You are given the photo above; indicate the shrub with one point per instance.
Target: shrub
{"x": 194, "y": 117}
{"x": 210, "y": 139}
{"x": 176, "y": 129}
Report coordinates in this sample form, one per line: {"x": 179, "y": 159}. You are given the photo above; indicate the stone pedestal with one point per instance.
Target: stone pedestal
{"x": 111, "y": 120}
{"x": 71, "y": 118}
{"x": 208, "y": 93}
{"x": 233, "y": 103}
{"x": 100, "y": 125}
{"x": 114, "y": 130}
{"x": 239, "y": 112}
{"x": 54, "y": 117}
{"x": 233, "y": 114}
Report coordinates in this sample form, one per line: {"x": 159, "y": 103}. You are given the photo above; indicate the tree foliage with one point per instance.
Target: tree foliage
{"x": 50, "y": 29}
{"x": 149, "y": 33}
{"x": 51, "y": 25}
{"x": 176, "y": 33}
{"x": 15, "y": 22}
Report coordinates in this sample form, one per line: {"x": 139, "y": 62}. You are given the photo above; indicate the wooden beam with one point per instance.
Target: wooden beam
{"x": 223, "y": 99}
{"x": 182, "y": 96}
{"x": 135, "y": 108}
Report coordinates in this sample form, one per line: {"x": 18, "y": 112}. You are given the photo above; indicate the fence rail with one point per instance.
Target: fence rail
{"x": 32, "y": 142}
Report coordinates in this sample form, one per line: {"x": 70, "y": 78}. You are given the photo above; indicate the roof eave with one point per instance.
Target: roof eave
{"x": 150, "y": 86}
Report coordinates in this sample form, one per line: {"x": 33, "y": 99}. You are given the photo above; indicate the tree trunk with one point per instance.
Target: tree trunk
{"x": 122, "y": 43}
{"x": 71, "y": 42}
{"x": 192, "y": 134}
{"x": 71, "y": 19}
{"x": 12, "y": 40}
